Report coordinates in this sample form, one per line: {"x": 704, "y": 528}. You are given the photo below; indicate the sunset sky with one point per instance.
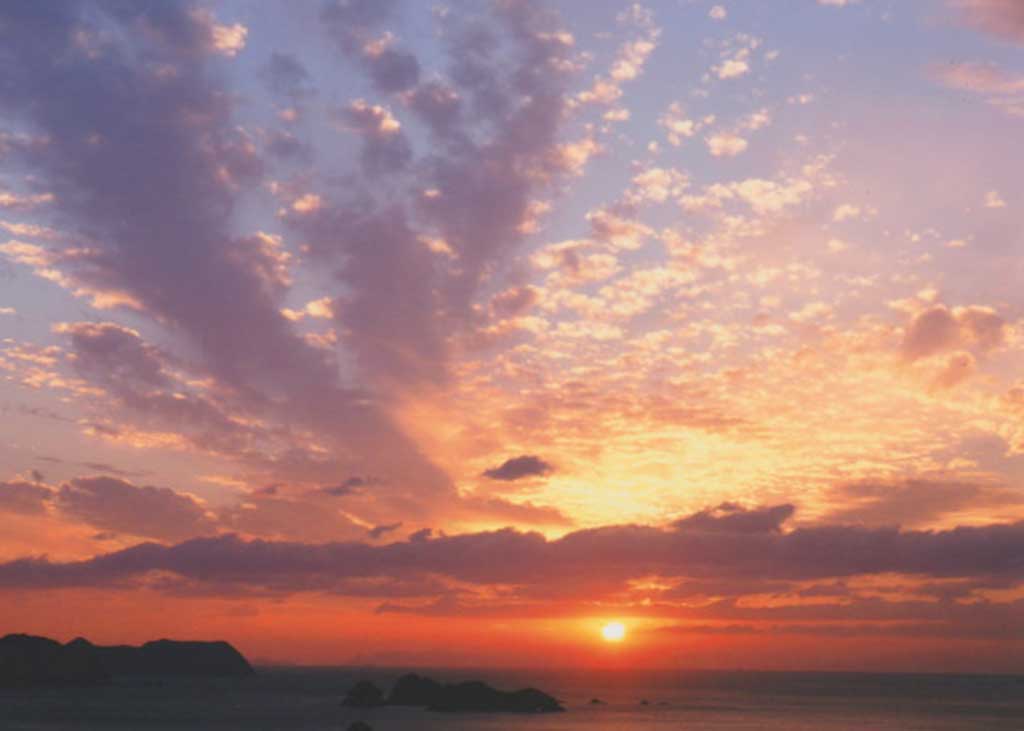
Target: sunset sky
{"x": 449, "y": 332}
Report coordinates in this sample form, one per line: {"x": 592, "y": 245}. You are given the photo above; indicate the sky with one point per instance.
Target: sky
{"x": 394, "y": 332}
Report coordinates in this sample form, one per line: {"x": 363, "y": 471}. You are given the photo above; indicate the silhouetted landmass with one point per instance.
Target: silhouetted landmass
{"x": 169, "y": 657}
{"x": 26, "y": 660}
{"x": 416, "y": 690}
{"x": 477, "y": 696}
{"x": 363, "y": 694}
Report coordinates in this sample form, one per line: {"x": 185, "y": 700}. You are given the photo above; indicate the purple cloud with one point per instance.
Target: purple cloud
{"x": 1002, "y": 18}
{"x": 914, "y": 502}
{"x": 285, "y": 76}
{"x": 118, "y": 506}
{"x": 517, "y": 468}
{"x": 147, "y": 167}
{"x": 354, "y": 25}
{"x": 24, "y": 498}
{"x": 733, "y": 518}
{"x": 693, "y": 550}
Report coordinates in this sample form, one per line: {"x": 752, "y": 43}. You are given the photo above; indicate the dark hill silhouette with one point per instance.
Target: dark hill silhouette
{"x": 169, "y": 657}
{"x": 28, "y": 660}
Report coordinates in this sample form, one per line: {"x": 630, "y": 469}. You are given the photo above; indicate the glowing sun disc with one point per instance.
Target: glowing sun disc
{"x": 614, "y": 632}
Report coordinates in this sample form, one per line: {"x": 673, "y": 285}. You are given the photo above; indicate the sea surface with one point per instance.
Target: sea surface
{"x": 309, "y": 699}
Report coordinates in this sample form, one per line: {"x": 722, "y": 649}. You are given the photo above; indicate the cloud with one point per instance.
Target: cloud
{"x": 733, "y": 518}
{"x": 736, "y": 59}
{"x": 677, "y": 125}
{"x": 845, "y": 212}
{"x": 516, "y": 468}
{"x": 985, "y": 78}
{"x": 24, "y": 498}
{"x": 726, "y": 144}
{"x": 114, "y": 505}
{"x": 286, "y": 146}
{"x": 354, "y": 25}
{"x": 959, "y": 367}
{"x": 1003, "y": 90}
{"x": 940, "y": 329}
{"x": 498, "y": 116}
{"x": 111, "y": 470}
{"x": 737, "y": 545}
{"x": 1003, "y": 19}
{"x": 114, "y": 354}
{"x": 629, "y": 61}
{"x": 439, "y": 106}
{"x": 914, "y": 502}
{"x": 502, "y": 511}
{"x": 348, "y": 487}
{"x": 514, "y": 301}
{"x": 730, "y": 143}
{"x": 288, "y": 518}
{"x": 993, "y": 199}
{"x": 865, "y": 618}
{"x": 930, "y": 332}
{"x": 285, "y": 76}
{"x": 659, "y": 184}
{"x": 226, "y": 40}
{"x": 17, "y": 201}
{"x": 769, "y": 196}
{"x": 732, "y": 68}
{"x": 150, "y": 194}
{"x": 139, "y": 377}
{"x": 385, "y": 148}
{"x": 379, "y": 531}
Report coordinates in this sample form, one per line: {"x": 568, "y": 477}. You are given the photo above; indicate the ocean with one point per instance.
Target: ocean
{"x": 308, "y": 699}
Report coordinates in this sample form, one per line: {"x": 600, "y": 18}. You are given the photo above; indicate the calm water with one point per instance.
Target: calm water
{"x": 309, "y": 699}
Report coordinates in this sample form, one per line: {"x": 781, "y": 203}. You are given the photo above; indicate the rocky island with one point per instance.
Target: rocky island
{"x": 26, "y": 660}
{"x": 472, "y": 696}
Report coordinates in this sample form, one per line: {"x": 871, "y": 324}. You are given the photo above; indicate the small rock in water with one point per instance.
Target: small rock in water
{"x": 596, "y": 702}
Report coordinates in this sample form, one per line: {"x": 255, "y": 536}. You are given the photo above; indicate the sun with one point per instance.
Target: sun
{"x": 614, "y": 632}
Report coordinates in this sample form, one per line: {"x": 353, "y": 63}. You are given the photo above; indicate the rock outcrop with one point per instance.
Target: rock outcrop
{"x": 480, "y": 697}
{"x": 473, "y": 696}
{"x": 414, "y": 690}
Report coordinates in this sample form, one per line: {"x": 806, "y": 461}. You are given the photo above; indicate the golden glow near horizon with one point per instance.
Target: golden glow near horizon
{"x": 614, "y": 632}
